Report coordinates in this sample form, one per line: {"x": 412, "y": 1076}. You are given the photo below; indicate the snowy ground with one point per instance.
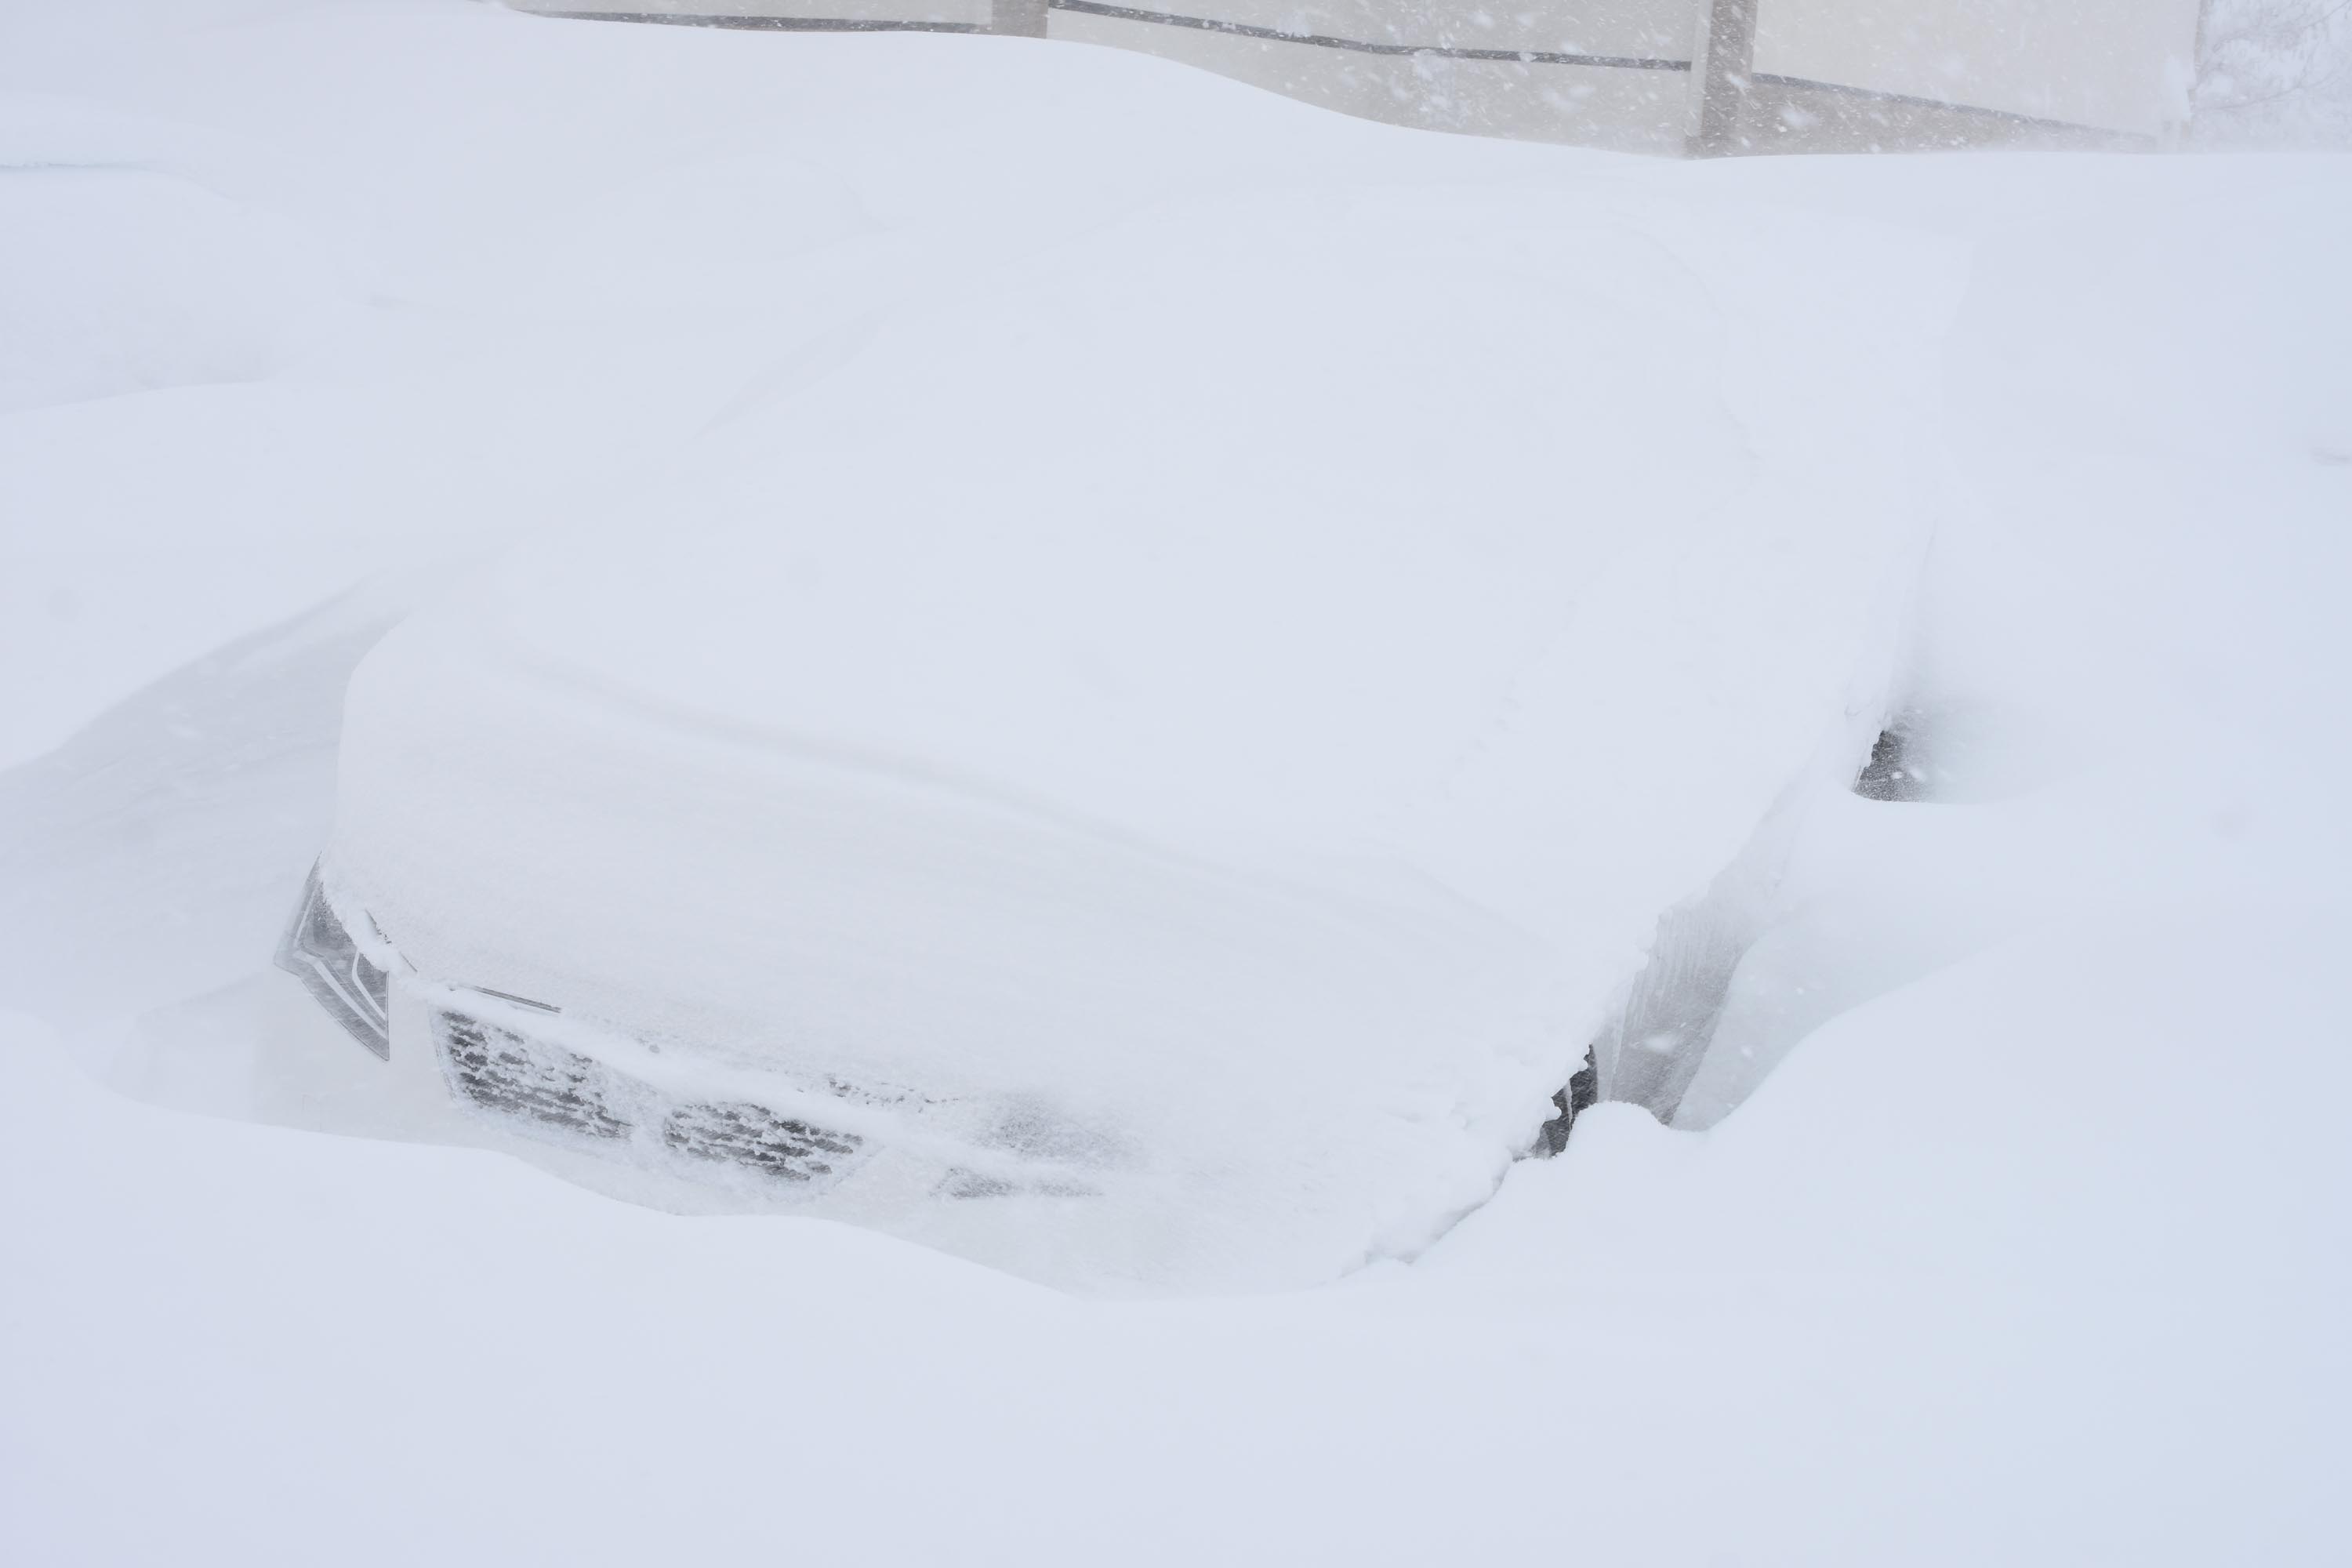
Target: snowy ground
{"x": 2032, "y": 1249}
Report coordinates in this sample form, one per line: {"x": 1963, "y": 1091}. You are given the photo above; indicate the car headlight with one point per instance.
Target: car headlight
{"x": 329, "y": 961}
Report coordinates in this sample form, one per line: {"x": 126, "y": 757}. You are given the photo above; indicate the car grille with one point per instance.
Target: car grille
{"x": 500, "y": 1071}
{"x": 559, "y": 1093}
{"x": 753, "y": 1136}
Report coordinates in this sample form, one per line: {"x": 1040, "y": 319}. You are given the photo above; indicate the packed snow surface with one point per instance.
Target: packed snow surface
{"x": 1292, "y": 614}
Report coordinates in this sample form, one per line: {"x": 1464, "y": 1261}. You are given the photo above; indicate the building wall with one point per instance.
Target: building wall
{"x": 2108, "y": 65}
{"x": 1635, "y": 107}
{"x": 1638, "y": 29}
{"x": 1712, "y": 75}
{"x": 1784, "y": 116}
{"x": 960, "y": 15}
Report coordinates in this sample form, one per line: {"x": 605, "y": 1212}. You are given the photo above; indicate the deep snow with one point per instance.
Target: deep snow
{"x": 1258, "y": 765}
{"x": 2032, "y": 1248}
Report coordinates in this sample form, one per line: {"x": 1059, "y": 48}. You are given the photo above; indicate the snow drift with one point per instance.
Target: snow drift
{"x": 2023, "y": 1252}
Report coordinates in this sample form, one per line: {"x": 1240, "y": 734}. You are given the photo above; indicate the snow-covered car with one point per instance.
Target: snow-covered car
{"x": 1127, "y": 776}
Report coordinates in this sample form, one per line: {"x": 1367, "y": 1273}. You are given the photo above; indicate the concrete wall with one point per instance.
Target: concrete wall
{"x": 2109, "y": 65}
{"x": 1714, "y": 77}
{"x": 960, "y": 15}
{"x": 1637, "y": 29}
{"x": 1633, "y": 107}
{"x": 1775, "y": 115}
